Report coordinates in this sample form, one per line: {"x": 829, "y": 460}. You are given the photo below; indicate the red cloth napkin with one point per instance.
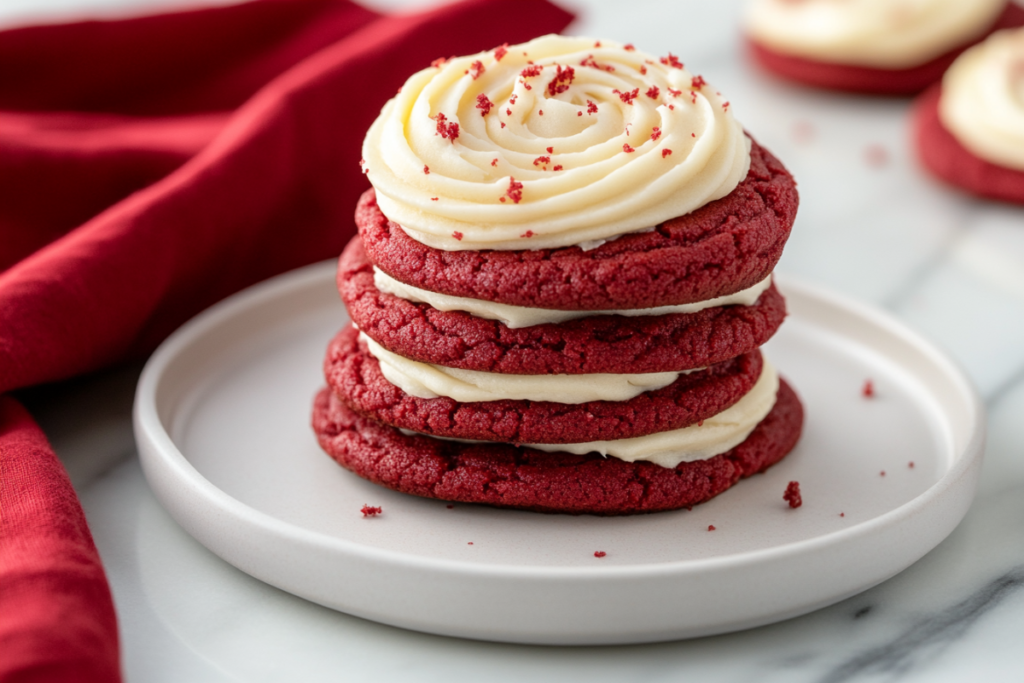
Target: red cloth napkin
{"x": 148, "y": 168}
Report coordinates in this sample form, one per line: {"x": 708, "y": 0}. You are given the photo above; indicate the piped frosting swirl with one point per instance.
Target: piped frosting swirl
{"x": 556, "y": 142}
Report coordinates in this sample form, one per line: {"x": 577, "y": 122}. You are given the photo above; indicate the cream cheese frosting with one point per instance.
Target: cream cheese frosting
{"x": 982, "y": 101}
{"x": 425, "y": 380}
{"x": 556, "y": 142}
{"x": 884, "y": 34}
{"x": 703, "y": 441}
{"x": 516, "y": 317}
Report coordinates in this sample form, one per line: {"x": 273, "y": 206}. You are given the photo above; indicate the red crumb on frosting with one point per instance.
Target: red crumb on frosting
{"x": 599, "y": 553}
{"x": 560, "y": 83}
{"x": 597, "y": 43}
{"x": 541, "y": 112}
{"x": 531, "y": 71}
{"x": 673, "y": 92}
{"x": 426, "y": 170}
{"x": 448, "y": 131}
{"x": 671, "y": 60}
{"x": 627, "y": 96}
{"x": 665, "y": 153}
{"x": 512, "y": 98}
{"x": 643, "y": 70}
{"x": 484, "y": 104}
{"x": 693, "y": 135}
{"x": 653, "y": 92}
{"x": 591, "y": 107}
{"x": 725, "y": 106}
{"x": 500, "y": 52}
{"x": 502, "y": 123}
{"x": 876, "y": 156}
{"x": 439, "y": 62}
{"x": 558, "y": 167}
{"x": 655, "y": 133}
{"x": 627, "y": 149}
{"x": 591, "y": 62}
{"x": 362, "y": 165}
{"x": 579, "y": 113}
{"x": 698, "y": 82}
{"x": 508, "y": 112}
{"x": 514, "y": 191}
{"x": 551, "y": 150}
{"x": 369, "y": 511}
{"x": 542, "y": 160}
{"x": 628, "y": 47}
{"x": 475, "y": 69}
{"x": 494, "y": 162}
{"x": 433, "y": 199}
{"x": 457, "y": 235}
{"x": 528, "y": 234}
{"x": 792, "y": 495}
{"x": 869, "y": 389}
{"x": 711, "y": 527}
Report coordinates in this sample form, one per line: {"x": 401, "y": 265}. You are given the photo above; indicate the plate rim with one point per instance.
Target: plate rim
{"x": 149, "y": 427}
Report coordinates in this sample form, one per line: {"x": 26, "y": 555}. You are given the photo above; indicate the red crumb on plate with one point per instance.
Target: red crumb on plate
{"x": 599, "y": 553}
{"x": 369, "y": 511}
{"x": 711, "y": 527}
{"x": 869, "y": 389}
{"x": 910, "y": 464}
{"x": 876, "y": 156}
{"x": 792, "y": 495}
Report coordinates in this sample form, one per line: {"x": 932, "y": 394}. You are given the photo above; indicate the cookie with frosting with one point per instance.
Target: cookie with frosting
{"x": 568, "y": 245}
{"x": 969, "y": 130}
{"x": 888, "y": 47}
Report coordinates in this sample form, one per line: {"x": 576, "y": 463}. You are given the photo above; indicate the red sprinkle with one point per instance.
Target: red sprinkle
{"x": 628, "y": 96}
{"x": 528, "y": 234}
{"x": 448, "y": 131}
{"x": 665, "y": 153}
{"x": 558, "y": 167}
{"x": 653, "y": 92}
{"x": 711, "y": 527}
{"x": 531, "y": 71}
{"x": 500, "y": 52}
{"x": 599, "y": 553}
{"x": 591, "y": 62}
{"x": 475, "y": 69}
{"x": 560, "y": 83}
{"x": 542, "y": 160}
{"x": 671, "y": 60}
{"x": 792, "y": 495}
{"x": 494, "y": 162}
{"x": 627, "y": 149}
{"x": 514, "y": 191}
{"x": 628, "y": 47}
{"x": 369, "y": 511}
{"x": 655, "y": 133}
{"x": 591, "y": 107}
{"x": 869, "y": 389}
{"x": 484, "y": 104}
{"x": 457, "y": 235}
{"x": 426, "y": 170}
{"x": 698, "y": 82}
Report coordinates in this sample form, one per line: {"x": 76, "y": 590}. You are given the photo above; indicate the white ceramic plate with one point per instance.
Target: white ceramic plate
{"x": 222, "y": 424}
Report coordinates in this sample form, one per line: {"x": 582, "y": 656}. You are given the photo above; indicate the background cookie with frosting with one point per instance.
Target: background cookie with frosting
{"x": 969, "y": 130}
{"x": 888, "y": 47}
{"x": 560, "y": 284}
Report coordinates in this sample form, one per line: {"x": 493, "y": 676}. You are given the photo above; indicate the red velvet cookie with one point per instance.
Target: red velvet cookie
{"x": 869, "y": 80}
{"x": 721, "y": 248}
{"x": 604, "y": 343}
{"x": 355, "y": 377}
{"x": 506, "y": 476}
{"x": 943, "y": 155}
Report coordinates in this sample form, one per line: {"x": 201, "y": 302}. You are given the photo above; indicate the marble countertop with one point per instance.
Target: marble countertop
{"x": 871, "y": 225}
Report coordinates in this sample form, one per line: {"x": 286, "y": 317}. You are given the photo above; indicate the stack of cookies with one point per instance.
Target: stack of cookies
{"x": 559, "y": 289}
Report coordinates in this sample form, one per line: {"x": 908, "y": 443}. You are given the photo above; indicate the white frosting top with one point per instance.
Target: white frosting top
{"x": 885, "y": 34}
{"x": 982, "y": 102}
{"x": 556, "y": 142}
{"x": 425, "y": 380}
{"x": 520, "y": 316}
{"x": 714, "y": 436}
